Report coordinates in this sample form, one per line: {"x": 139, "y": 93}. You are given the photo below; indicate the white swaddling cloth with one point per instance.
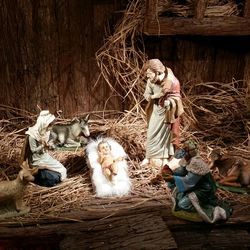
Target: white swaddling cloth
{"x": 121, "y": 183}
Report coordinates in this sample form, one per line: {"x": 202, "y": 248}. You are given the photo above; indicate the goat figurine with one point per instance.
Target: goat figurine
{"x": 12, "y": 192}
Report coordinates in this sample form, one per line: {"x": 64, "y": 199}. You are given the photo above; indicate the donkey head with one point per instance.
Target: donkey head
{"x": 84, "y": 123}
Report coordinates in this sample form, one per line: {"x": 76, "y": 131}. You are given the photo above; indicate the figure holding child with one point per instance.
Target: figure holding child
{"x": 163, "y": 111}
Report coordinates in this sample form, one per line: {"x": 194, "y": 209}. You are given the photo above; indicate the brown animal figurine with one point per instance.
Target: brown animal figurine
{"x": 229, "y": 170}
{"x": 12, "y": 192}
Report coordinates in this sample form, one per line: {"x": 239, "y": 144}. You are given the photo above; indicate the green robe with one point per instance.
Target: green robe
{"x": 195, "y": 192}
{"x": 158, "y": 144}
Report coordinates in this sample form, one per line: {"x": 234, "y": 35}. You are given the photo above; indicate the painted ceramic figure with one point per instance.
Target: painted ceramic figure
{"x": 163, "y": 111}
{"x": 106, "y": 154}
{"x": 51, "y": 171}
{"x": 195, "y": 189}
{"x": 107, "y": 161}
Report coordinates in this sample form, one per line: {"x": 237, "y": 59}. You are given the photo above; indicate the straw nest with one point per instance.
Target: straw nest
{"x": 214, "y": 8}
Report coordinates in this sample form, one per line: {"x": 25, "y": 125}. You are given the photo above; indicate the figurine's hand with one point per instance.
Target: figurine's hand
{"x": 168, "y": 178}
{"x": 45, "y": 145}
{"x": 51, "y": 146}
{"x": 166, "y": 170}
{"x": 151, "y": 97}
{"x": 166, "y": 104}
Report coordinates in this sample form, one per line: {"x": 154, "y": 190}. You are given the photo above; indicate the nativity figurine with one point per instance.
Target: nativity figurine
{"x": 229, "y": 170}
{"x": 163, "y": 111}
{"x": 12, "y": 192}
{"x": 107, "y": 161}
{"x": 108, "y": 167}
{"x": 194, "y": 189}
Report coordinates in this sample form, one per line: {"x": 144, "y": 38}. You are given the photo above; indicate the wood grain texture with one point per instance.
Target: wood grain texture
{"x": 213, "y": 26}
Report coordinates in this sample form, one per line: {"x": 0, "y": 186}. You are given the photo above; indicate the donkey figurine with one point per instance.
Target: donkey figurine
{"x": 73, "y": 134}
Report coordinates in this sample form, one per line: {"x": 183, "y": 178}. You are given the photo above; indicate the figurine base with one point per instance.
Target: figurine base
{"x": 11, "y": 212}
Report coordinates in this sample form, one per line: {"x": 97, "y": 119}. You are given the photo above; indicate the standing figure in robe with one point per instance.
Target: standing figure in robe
{"x": 163, "y": 111}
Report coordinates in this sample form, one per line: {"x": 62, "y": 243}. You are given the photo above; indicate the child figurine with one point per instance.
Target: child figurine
{"x": 107, "y": 161}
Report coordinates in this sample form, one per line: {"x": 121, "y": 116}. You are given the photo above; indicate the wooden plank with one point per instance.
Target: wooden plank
{"x": 228, "y": 239}
{"x": 126, "y": 223}
{"x": 98, "y": 209}
{"x": 52, "y": 64}
{"x": 143, "y": 231}
{"x": 208, "y": 237}
{"x": 213, "y": 26}
{"x": 151, "y": 10}
{"x": 247, "y": 8}
{"x": 200, "y": 8}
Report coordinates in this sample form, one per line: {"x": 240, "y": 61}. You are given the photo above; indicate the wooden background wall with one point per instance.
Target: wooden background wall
{"x": 47, "y": 50}
{"x": 204, "y": 59}
{"x": 48, "y": 47}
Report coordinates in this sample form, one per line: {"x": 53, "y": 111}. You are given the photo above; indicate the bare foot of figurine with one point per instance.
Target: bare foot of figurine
{"x": 144, "y": 162}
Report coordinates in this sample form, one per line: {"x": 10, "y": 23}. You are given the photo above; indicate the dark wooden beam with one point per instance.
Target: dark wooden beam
{"x": 247, "y": 8}
{"x": 200, "y": 8}
{"x": 212, "y": 26}
{"x": 151, "y": 8}
{"x": 151, "y": 12}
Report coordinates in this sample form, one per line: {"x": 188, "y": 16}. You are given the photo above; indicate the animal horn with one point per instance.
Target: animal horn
{"x": 25, "y": 164}
{"x": 87, "y": 117}
{"x": 75, "y": 119}
{"x": 34, "y": 170}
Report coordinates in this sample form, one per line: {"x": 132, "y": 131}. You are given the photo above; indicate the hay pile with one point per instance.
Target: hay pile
{"x": 77, "y": 189}
{"x": 72, "y": 195}
{"x": 122, "y": 56}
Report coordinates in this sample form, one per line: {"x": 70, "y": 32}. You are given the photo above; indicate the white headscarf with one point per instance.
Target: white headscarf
{"x": 39, "y": 130}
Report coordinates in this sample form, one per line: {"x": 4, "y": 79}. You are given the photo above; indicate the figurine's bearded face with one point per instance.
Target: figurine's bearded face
{"x": 151, "y": 75}
{"x": 154, "y": 76}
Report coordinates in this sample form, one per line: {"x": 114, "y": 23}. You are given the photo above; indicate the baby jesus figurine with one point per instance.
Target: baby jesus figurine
{"x": 107, "y": 161}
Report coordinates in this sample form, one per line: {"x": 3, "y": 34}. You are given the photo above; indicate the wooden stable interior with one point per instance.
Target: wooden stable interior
{"x": 199, "y": 24}
{"x": 50, "y": 62}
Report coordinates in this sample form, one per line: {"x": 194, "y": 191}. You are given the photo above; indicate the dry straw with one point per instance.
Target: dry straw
{"x": 216, "y": 115}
